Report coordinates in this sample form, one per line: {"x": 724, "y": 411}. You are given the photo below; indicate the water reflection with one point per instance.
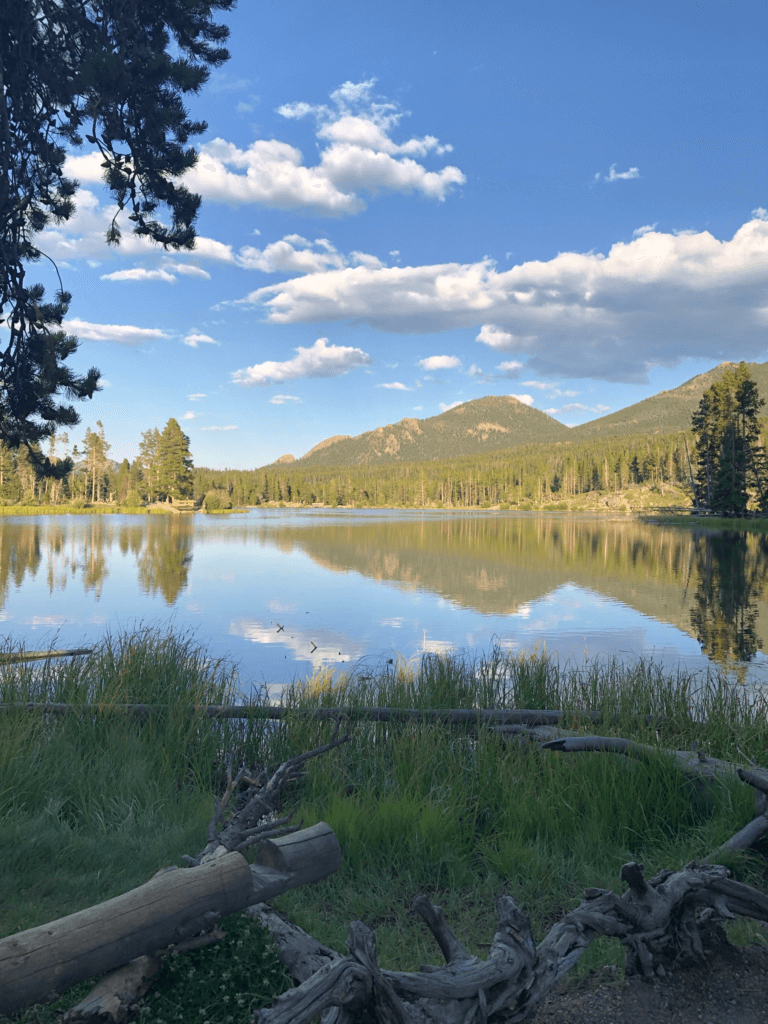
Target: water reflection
{"x": 285, "y": 591}
{"x": 730, "y": 572}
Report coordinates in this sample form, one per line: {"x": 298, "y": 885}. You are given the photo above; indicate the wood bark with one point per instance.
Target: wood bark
{"x": 128, "y": 932}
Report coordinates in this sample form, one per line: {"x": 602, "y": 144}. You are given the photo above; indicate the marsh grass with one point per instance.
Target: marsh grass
{"x": 92, "y": 804}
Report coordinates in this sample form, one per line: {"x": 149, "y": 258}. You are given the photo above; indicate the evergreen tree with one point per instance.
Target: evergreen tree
{"x": 114, "y": 68}
{"x": 175, "y": 463}
{"x": 730, "y": 460}
{"x": 149, "y": 462}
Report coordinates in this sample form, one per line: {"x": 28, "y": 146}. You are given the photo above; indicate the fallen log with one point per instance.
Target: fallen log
{"x": 174, "y": 906}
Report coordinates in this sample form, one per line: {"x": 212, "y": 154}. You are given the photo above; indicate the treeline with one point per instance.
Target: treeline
{"x": 163, "y": 471}
{"x": 529, "y": 475}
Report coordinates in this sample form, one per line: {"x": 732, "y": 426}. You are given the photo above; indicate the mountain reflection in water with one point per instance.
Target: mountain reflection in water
{"x": 287, "y": 592}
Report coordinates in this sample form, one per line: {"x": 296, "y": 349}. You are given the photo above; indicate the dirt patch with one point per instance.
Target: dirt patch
{"x": 728, "y": 988}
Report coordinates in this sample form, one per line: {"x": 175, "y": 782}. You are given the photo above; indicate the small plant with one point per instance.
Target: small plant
{"x": 219, "y": 984}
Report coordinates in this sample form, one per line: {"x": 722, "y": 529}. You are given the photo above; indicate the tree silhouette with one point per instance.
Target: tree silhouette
{"x": 104, "y": 63}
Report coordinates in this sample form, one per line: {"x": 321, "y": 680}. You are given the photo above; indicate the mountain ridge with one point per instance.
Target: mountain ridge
{"x": 497, "y": 422}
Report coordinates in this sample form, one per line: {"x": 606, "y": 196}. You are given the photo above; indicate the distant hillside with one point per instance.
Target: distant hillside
{"x": 667, "y": 412}
{"x": 482, "y": 425}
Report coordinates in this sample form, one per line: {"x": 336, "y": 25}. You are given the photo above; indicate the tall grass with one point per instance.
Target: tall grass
{"x": 92, "y": 804}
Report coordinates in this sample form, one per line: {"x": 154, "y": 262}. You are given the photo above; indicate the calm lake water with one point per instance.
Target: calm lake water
{"x": 286, "y": 592}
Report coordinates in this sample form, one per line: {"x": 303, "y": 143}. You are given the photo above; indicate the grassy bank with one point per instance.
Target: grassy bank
{"x": 91, "y": 806}
{"x": 710, "y": 522}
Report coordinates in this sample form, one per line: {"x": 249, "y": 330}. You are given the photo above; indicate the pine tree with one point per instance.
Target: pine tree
{"x": 175, "y": 463}
{"x": 149, "y": 462}
{"x": 730, "y": 460}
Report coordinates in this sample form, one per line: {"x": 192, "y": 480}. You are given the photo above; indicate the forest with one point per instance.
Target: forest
{"x": 679, "y": 468}
{"x": 527, "y": 476}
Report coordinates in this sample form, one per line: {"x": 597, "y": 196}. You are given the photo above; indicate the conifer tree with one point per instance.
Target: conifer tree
{"x": 119, "y": 68}
{"x": 175, "y": 477}
{"x": 730, "y": 459}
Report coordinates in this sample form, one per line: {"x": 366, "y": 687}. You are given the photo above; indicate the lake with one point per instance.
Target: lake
{"x": 284, "y": 592}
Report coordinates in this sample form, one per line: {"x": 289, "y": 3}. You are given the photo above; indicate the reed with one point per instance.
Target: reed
{"x": 93, "y": 803}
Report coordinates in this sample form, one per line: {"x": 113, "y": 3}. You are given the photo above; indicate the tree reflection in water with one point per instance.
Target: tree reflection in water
{"x": 730, "y": 574}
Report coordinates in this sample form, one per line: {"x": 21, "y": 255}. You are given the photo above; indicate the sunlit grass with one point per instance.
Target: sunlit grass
{"x": 92, "y": 804}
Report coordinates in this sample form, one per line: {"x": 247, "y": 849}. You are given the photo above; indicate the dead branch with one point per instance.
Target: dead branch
{"x": 658, "y": 920}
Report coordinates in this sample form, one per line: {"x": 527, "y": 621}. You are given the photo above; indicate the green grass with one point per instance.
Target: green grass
{"x": 710, "y": 522}
{"x": 92, "y": 805}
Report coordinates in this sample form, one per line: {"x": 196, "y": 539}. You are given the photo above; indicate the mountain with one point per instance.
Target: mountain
{"x": 667, "y": 412}
{"x": 482, "y": 425}
{"x": 493, "y": 423}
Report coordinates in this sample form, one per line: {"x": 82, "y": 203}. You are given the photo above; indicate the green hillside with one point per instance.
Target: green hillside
{"x": 667, "y": 412}
{"x": 482, "y": 425}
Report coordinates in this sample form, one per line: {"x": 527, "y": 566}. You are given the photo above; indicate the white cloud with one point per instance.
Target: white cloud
{"x": 190, "y": 415}
{"x": 644, "y": 230}
{"x": 139, "y": 274}
{"x": 525, "y": 399}
{"x": 509, "y": 368}
{"x": 395, "y": 386}
{"x": 650, "y": 302}
{"x": 189, "y": 270}
{"x": 195, "y": 398}
{"x": 535, "y": 383}
{"x": 475, "y": 371}
{"x": 230, "y": 426}
{"x": 357, "y": 156}
{"x": 615, "y": 175}
{"x": 195, "y": 339}
{"x": 123, "y": 334}
{"x": 294, "y": 254}
{"x": 282, "y": 399}
{"x": 445, "y": 406}
{"x": 439, "y": 362}
{"x": 322, "y": 360}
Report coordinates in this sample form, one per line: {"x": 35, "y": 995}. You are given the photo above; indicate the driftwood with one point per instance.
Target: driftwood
{"x": 656, "y": 920}
{"x": 128, "y": 934}
{"x": 12, "y": 659}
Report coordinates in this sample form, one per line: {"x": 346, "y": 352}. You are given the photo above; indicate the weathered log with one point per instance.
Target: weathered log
{"x": 42, "y": 962}
{"x": 656, "y": 920}
{"x": 19, "y": 656}
{"x": 175, "y": 905}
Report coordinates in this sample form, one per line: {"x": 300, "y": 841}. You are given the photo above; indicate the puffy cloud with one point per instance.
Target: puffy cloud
{"x": 282, "y": 399}
{"x": 445, "y": 406}
{"x": 322, "y": 360}
{"x": 195, "y": 339}
{"x": 123, "y": 334}
{"x": 360, "y": 157}
{"x": 614, "y": 175}
{"x": 653, "y": 301}
{"x": 439, "y": 362}
{"x": 292, "y": 254}
{"x": 395, "y": 386}
{"x": 644, "y": 230}
{"x": 139, "y": 274}
{"x": 509, "y": 368}
{"x": 525, "y": 399}
{"x": 190, "y": 415}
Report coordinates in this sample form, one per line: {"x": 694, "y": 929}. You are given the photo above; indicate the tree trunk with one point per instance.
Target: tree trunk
{"x": 39, "y": 964}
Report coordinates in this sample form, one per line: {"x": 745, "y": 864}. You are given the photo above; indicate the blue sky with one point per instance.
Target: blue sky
{"x": 407, "y": 206}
